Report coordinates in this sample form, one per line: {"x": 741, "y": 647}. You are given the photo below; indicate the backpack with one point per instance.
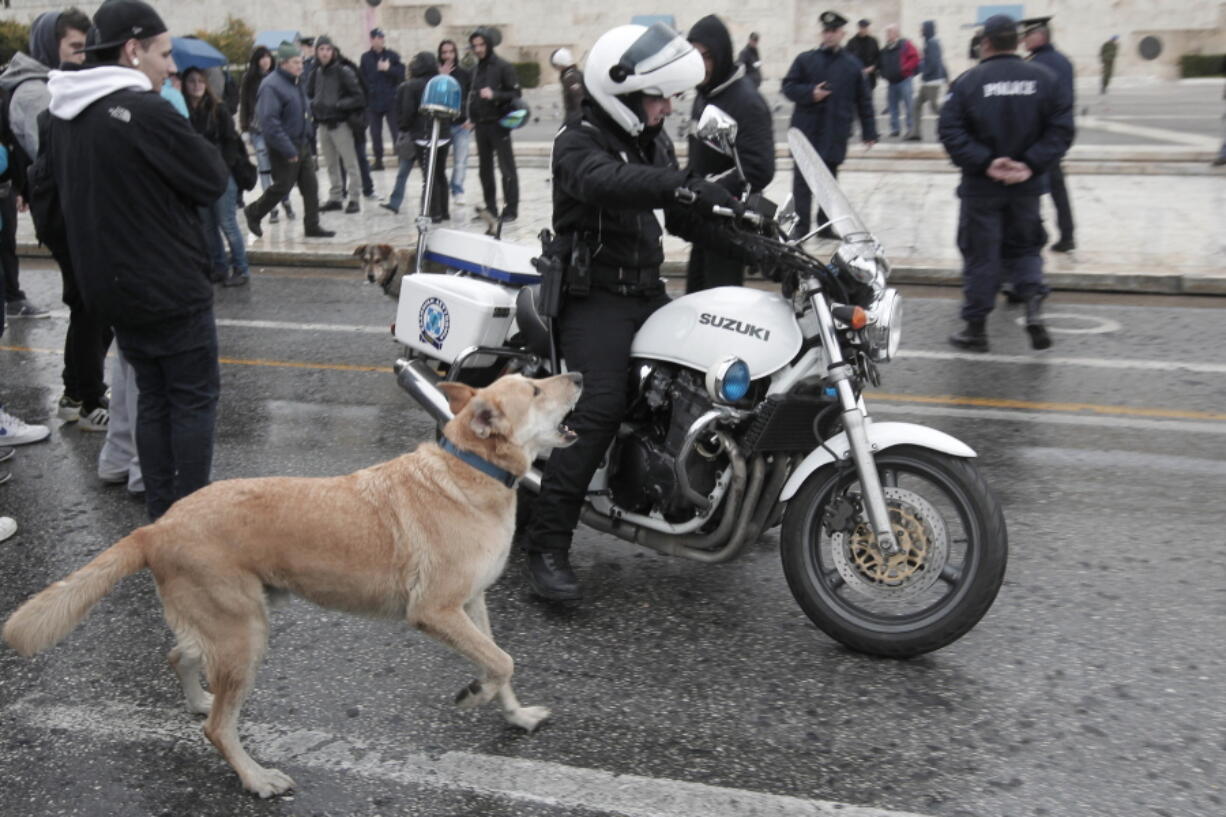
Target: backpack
{"x": 16, "y": 177}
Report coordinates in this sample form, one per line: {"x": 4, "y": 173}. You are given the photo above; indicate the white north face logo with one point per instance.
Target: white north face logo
{"x": 121, "y": 113}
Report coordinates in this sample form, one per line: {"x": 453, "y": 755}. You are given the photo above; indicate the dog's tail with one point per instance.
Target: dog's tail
{"x": 48, "y": 617}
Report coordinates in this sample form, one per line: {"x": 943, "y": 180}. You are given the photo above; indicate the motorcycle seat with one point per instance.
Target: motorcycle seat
{"x": 533, "y": 330}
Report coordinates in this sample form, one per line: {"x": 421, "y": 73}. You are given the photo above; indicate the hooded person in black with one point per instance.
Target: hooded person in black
{"x": 416, "y": 126}
{"x": 727, "y": 87}
{"x": 494, "y": 85}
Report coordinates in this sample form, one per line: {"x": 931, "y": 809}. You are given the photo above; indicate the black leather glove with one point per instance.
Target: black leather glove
{"x": 706, "y": 196}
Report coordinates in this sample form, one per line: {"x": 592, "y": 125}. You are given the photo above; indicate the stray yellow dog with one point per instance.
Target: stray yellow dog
{"x": 420, "y": 537}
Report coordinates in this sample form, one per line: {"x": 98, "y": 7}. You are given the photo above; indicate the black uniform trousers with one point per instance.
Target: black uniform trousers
{"x": 179, "y": 379}
{"x": 1059, "y": 197}
{"x": 286, "y": 174}
{"x": 708, "y": 270}
{"x": 85, "y": 344}
{"x": 1000, "y": 238}
{"x": 495, "y": 140}
{"x": 803, "y": 198}
{"x": 595, "y": 334}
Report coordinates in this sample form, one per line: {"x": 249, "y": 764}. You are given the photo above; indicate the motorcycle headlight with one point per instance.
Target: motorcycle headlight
{"x": 728, "y": 380}
{"x": 864, "y": 262}
{"x": 884, "y": 331}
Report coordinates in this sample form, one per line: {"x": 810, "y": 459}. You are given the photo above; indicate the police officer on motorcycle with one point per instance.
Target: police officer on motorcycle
{"x": 613, "y": 165}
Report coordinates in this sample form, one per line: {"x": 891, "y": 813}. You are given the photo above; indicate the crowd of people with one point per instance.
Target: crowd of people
{"x": 144, "y": 273}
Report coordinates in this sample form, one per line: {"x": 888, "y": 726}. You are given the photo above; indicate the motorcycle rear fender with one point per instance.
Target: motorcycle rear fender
{"x": 880, "y": 437}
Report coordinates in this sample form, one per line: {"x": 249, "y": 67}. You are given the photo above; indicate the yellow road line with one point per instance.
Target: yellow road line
{"x": 938, "y": 400}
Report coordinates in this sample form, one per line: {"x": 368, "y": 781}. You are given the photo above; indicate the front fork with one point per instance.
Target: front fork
{"x": 854, "y": 424}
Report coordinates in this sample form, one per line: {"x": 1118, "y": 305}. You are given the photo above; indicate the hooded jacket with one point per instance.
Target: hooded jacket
{"x": 734, "y": 93}
{"x": 131, "y": 173}
{"x": 422, "y": 67}
{"x": 28, "y": 99}
{"x": 494, "y": 73}
{"x": 933, "y": 65}
{"x": 335, "y": 91}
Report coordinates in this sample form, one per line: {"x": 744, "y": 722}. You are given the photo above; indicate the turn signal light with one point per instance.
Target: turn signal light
{"x": 853, "y": 316}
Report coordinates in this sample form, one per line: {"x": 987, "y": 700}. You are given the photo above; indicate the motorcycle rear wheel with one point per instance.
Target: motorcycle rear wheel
{"x": 955, "y": 549}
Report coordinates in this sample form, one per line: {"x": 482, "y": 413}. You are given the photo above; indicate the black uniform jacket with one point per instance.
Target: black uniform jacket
{"x": 1006, "y": 107}
{"x": 828, "y": 123}
{"x": 606, "y": 185}
{"x": 131, "y": 174}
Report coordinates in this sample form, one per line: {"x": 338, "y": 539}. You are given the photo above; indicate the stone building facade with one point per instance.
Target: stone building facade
{"x": 532, "y": 29}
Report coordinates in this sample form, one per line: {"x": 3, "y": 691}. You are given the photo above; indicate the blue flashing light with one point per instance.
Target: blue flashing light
{"x": 441, "y": 97}
{"x": 736, "y": 382}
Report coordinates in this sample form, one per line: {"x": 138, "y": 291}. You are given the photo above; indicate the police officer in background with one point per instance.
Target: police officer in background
{"x": 613, "y": 165}
{"x": 1036, "y": 36}
{"x": 829, "y": 88}
{"x": 727, "y": 86}
{"x": 1006, "y": 123}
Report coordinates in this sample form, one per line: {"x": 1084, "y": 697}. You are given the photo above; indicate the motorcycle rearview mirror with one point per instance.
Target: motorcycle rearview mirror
{"x": 717, "y": 129}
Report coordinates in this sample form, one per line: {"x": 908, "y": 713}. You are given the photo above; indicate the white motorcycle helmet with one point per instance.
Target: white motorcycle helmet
{"x": 655, "y": 61}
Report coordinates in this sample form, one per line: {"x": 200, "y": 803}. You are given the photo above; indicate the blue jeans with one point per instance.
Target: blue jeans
{"x": 438, "y": 204}
{"x": 402, "y": 179}
{"x": 223, "y": 220}
{"x": 461, "y": 138}
{"x": 899, "y": 93}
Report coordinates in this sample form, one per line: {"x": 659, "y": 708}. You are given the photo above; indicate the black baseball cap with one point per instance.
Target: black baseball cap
{"x": 376, "y": 32}
{"x": 118, "y": 21}
{"x": 999, "y": 24}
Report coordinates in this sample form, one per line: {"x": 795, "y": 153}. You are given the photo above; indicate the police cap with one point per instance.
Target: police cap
{"x": 831, "y": 20}
{"x": 1032, "y": 24}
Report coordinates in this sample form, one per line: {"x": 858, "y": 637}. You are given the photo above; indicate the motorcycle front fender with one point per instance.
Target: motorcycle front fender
{"x": 880, "y": 437}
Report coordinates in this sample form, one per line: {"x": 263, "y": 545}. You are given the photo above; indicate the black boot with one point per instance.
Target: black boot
{"x": 551, "y": 577}
{"x": 973, "y": 337}
{"x": 1039, "y": 339}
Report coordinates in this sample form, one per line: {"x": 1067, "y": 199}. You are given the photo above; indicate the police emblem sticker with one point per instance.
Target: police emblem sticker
{"x": 434, "y": 321}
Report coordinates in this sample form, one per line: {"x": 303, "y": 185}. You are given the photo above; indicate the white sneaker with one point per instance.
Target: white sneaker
{"x": 7, "y": 527}
{"x": 15, "y": 432}
{"x": 458, "y": 200}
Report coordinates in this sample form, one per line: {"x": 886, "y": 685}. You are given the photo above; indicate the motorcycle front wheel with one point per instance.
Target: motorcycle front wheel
{"x": 954, "y": 549}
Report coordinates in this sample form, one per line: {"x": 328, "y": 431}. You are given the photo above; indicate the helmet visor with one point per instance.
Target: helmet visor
{"x": 655, "y": 48}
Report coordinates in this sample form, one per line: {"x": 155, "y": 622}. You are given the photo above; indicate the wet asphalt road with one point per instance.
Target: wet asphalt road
{"x": 1093, "y": 686}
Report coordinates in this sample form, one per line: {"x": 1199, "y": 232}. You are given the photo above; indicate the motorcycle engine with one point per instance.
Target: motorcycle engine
{"x": 643, "y": 476}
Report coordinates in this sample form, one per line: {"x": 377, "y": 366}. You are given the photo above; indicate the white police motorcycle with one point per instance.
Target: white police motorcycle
{"x": 747, "y": 410}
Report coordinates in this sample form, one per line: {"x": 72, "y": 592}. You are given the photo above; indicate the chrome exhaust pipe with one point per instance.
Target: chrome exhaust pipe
{"x": 418, "y": 379}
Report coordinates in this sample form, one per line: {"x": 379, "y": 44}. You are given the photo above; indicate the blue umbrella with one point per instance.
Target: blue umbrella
{"x": 188, "y": 52}
{"x": 272, "y": 39}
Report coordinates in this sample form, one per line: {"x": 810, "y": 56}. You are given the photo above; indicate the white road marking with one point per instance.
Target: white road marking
{"x": 306, "y": 327}
{"x": 1117, "y": 460}
{"x": 1015, "y": 416}
{"x": 1168, "y": 365}
{"x": 534, "y": 781}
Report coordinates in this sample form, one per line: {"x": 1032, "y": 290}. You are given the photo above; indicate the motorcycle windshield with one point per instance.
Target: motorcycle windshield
{"x": 846, "y": 222}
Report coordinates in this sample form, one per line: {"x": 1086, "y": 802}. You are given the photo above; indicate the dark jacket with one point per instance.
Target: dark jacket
{"x": 606, "y": 185}
{"x": 730, "y": 90}
{"x": 381, "y": 85}
{"x": 866, "y": 49}
{"x": 899, "y": 60}
{"x": 213, "y": 121}
{"x": 1006, "y": 107}
{"x": 752, "y": 60}
{"x": 462, "y": 76}
{"x": 408, "y": 98}
{"x": 280, "y": 111}
{"x": 250, "y": 86}
{"x": 1047, "y": 55}
{"x": 131, "y": 174}
{"x": 498, "y": 75}
{"x": 335, "y": 92}
{"x": 828, "y": 123}
{"x": 933, "y": 65}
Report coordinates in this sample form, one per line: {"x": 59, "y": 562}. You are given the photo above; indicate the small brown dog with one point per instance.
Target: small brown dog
{"x": 386, "y": 266}
{"x": 420, "y": 537}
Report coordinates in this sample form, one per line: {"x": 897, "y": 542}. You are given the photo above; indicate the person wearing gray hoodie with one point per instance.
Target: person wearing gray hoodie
{"x": 56, "y": 38}
{"x": 932, "y": 77}
{"x": 53, "y": 38}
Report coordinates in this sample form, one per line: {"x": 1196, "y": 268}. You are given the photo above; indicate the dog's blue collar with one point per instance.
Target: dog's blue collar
{"x": 480, "y": 463}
